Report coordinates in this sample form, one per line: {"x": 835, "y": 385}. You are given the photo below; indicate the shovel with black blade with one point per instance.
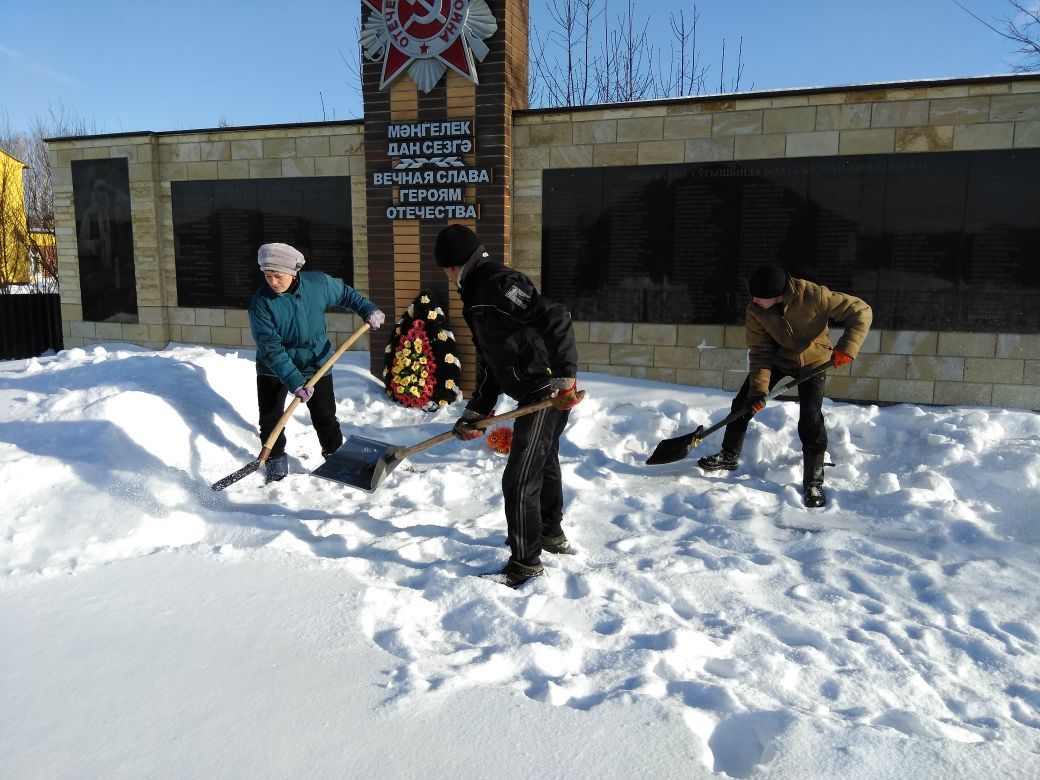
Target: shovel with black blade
{"x": 249, "y": 468}
{"x": 364, "y": 463}
{"x": 672, "y": 450}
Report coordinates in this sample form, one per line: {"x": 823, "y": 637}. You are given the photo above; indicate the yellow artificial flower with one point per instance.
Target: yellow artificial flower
{"x": 450, "y": 384}
{"x": 442, "y": 336}
{"x": 450, "y": 358}
{"x": 432, "y": 315}
{"x": 425, "y": 299}
{"x": 424, "y": 374}
{"x": 415, "y": 391}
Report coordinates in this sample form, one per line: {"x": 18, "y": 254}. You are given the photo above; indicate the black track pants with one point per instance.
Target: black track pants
{"x": 811, "y": 429}
{"x": 271, "y": 395}
{"x": 531, "y": 484}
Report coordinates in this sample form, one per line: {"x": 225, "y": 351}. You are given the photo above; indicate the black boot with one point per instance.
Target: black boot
{"x": 720, "y": 461}
{"x": 812, "y": 479}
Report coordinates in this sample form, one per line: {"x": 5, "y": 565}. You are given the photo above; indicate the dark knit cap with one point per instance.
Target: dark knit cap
{"x": 767, "y": 281}
{"x": 455, "y": 245}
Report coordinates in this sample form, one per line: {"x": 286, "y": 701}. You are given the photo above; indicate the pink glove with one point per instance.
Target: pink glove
{"x": 375, "y": 319}
{"x": 304, "y": 393}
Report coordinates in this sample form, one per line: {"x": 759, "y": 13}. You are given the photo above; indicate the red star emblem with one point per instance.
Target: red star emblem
{"x": 423, "y": 29}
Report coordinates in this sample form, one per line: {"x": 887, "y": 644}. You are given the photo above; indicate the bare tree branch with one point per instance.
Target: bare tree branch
{"x": 578, "y": 61}
{"x": 30, "y": 147}
{"x": 1022, "y": 28}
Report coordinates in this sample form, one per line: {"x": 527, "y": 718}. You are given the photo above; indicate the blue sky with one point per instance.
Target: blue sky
{"x": 129, "y": 66}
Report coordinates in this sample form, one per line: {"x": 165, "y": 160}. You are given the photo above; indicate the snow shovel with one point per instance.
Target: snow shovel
{"x": 364, "y": 463}
{"x": 671, "y": 450}
{"x": 246, "y": 470}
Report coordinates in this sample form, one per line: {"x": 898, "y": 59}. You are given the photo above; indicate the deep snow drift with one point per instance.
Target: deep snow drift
{"x": 153, "y": 627}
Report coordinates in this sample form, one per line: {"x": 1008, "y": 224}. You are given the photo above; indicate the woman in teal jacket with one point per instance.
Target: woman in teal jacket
{"x": 287, "y": 317}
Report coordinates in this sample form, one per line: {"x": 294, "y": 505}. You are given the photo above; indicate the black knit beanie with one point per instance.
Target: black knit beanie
{"x": 455, "y": 245}
{"x": 767, "y": 281}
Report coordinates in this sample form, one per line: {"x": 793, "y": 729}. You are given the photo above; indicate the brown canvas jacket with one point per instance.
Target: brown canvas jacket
{"x": 793, "y": 334}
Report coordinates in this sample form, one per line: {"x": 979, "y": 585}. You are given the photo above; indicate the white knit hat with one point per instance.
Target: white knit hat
{"x": 280, "y": 258}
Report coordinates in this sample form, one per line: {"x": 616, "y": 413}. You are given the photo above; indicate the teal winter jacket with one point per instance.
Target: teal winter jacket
{"x": 292, "y": 339}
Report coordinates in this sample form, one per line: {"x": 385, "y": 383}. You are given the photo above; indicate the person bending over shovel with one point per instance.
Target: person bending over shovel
{"x": 787, "y": 335}
{"x": 525, "y": 349}
{"x": 287, "y": 317}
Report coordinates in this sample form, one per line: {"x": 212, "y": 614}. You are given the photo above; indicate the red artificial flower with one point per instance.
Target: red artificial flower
{"x": 500, "y": 439}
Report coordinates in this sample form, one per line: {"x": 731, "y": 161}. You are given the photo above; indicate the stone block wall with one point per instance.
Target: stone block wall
{"x": 155, "y": 161}
{"x": 998, "y": 369}
{"x": 894, "y": 366}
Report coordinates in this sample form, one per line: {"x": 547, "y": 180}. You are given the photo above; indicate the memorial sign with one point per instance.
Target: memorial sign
{"x": 430, "y": 175}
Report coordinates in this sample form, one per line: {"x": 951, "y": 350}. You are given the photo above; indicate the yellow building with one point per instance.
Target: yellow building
{"x": 14, "y": 230}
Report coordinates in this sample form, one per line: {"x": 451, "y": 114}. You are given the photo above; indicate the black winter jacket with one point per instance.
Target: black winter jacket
{"x": 522, "y": 338}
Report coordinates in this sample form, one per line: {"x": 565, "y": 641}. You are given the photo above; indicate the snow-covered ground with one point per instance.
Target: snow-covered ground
{"x": 150, "y": 627}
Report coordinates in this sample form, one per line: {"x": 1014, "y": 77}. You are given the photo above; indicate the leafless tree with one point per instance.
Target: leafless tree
{"x": 1022, "y": 27}
{"x": 587, "y": 55}
{"x": 30, "y": 147}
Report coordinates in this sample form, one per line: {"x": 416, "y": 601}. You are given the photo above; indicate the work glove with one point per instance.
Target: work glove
{"x": 841, "y": 358}
{"x": 564, "y": 392}
{"x": 463, "y": 428}
{"x": 304, "y": 393}
{"x": 757, "y": 402}
{"x": 375, "y": 319}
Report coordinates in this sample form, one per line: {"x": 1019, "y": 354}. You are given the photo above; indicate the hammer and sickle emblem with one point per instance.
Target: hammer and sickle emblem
{"x": 433, "y": 12}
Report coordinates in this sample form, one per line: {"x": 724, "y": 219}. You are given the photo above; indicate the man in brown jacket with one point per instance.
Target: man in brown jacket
{"x": 787, "y": 335}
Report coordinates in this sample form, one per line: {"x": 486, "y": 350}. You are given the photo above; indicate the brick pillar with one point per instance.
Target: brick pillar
{"x": 401, "y": 249}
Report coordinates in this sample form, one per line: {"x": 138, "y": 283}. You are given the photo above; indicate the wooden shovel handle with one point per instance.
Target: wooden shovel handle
{"x": 482, "y": 423}
{"x": 269, "y": 444}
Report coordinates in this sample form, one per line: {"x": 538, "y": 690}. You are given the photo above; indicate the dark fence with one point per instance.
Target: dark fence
{"x": 29, "y": 325}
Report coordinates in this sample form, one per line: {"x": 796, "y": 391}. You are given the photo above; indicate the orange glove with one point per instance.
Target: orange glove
{"x": 757, "y": 402}
{"x": 564, "y": 393}
{"x": 841, "y": 358}
{"x": 464, "y": 430}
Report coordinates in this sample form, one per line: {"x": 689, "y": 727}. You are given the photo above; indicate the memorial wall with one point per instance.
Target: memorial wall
{"x": 933, "y": 241}
{"x": 643, "y": 217}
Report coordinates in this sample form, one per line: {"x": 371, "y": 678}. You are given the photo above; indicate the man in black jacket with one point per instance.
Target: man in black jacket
{"x": 525, "y": 349}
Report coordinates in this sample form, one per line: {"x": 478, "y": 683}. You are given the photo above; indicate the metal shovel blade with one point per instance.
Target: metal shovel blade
{"x": 360, "y": 463}
{"x": 672, "y": 450}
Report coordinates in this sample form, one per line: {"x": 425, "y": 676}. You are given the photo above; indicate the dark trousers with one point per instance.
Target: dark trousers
{"x": 270, "y": 397}
{"x": 531, "y": 483}
{"x": 811, "y": 429}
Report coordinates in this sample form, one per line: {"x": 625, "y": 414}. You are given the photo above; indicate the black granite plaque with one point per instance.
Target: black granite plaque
{"x": 105, "y": 240}
{"x": 572, "y": 235}
{"x": 704, "y": 244}
{"x": 937, "y": 241}
{"x": 219, "y": 225}
{"x": 1000, "y": 278}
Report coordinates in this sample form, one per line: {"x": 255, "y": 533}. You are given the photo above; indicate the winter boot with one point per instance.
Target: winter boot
{"x": 516, "y": 573}
{"x": 812, "y": 479}
{"x": 276, "y": 469}
{"x": 720, "y": 461}
{"x": 559, "y": 544}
